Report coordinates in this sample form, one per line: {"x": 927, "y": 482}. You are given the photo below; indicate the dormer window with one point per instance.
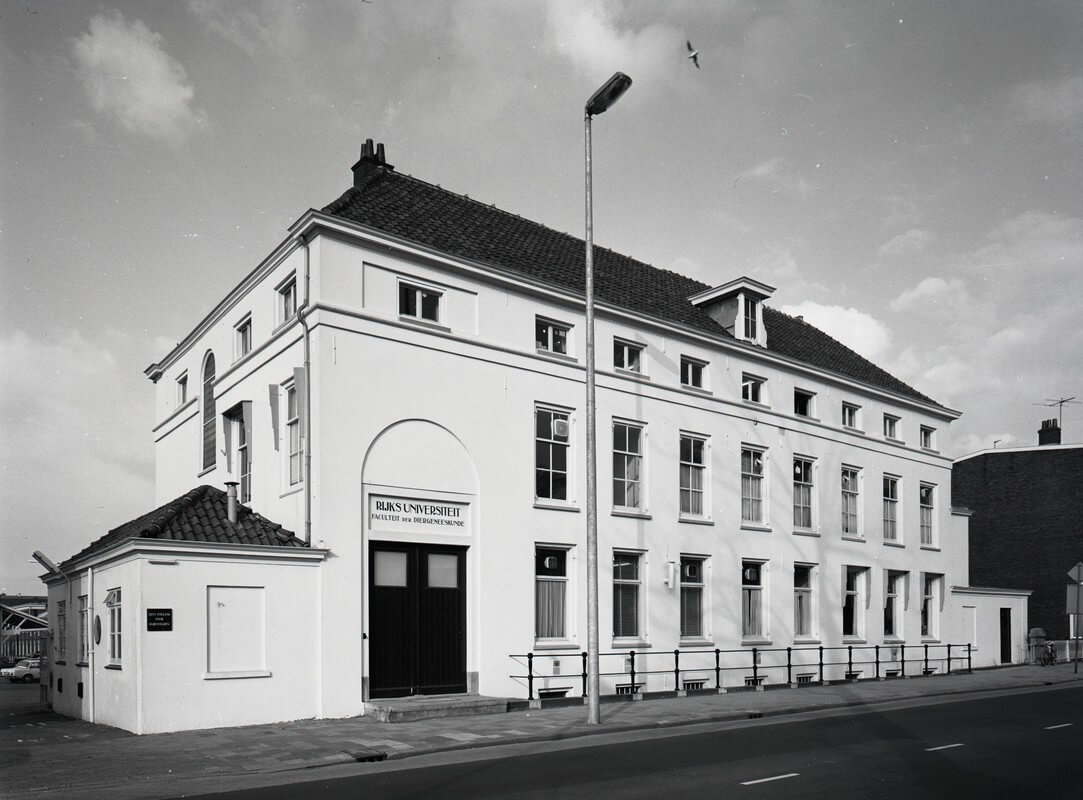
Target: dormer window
{"x": 738, "y": 307}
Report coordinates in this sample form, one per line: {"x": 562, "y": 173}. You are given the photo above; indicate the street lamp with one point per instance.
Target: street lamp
{"x": 599, "y": 102}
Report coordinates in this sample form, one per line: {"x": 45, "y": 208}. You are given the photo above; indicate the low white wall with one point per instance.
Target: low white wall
{"x": 975, "y": 614}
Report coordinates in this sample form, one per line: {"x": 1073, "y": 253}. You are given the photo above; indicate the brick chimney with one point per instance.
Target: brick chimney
{"x": 1049, "y": 433}
{"x": 370, "y": 162}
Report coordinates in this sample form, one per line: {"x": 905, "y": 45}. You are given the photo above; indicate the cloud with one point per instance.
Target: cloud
{"x": 1054, "y": 100}
{"x": 128, "y": 76}
{"x": 251, "y": 25}
{"x": 76, "y": 423}
{"x": 856, "y": 329}
{"x": 913, "y": 241}
{"x": 780, "y": 176}
{"x": 931, "y": 292}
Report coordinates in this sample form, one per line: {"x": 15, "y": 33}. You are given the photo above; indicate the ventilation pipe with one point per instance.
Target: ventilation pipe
{"x": 231, "y": 502}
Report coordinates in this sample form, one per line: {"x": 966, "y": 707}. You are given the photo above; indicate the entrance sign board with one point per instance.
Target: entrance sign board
{"x": 159, "y": 619}
{"x": 387, "y": 513}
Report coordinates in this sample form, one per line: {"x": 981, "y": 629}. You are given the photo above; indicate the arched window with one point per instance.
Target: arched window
{"x": 210, "y": 420}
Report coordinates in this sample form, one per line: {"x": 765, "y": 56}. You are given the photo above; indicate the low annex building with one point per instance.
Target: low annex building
{"x": 401, "y": 383}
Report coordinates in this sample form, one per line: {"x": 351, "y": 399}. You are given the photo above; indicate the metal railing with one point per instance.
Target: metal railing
{"x": 693, "y": 668}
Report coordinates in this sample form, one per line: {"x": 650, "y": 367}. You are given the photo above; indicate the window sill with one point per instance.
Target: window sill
{"x": 751, "y": 526}
{"x": 630, "y": 644}
{"x": 858, "y": 431}
{"x": 893, "y": 440}
{"x": 424, "y": 324}
{"x": 630, "y": 373}
{"x": 555, "y": 506}
{"x": 697, "y": 390}
{"x": 756, "y": 404}
{"x": 220, "y": 676}
{"x": 854, "y": 640}
{"x": 630, "y": 513}
{"x": 931, "y": 451}
{"x": 806, "y": 641}
{"x": 933, "y": 547}
{"x": 803, "y": 532}
{"x": 563, "y": 644}
{"x": 113, "y": 666}
{"x": 82, "y": 664}
{"x": 206, "y": 471}
{"x": 808, "y": 417}
{"x": 695, "y": 520}
{"x": 893, "y": 543}
{"x": 930, "y": 640}
{"x": 853, "y": 538}
{"x": 691, "y": 644}
{"x": 60, "y": 662}
{"x": 541, "y": 351}
{"x": 755, "y": 641}
{"x": 894, "y": 641}
{"x": 292, "y": 490}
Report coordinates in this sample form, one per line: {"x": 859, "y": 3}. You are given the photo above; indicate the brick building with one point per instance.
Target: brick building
{"x": 1027, "y": 503}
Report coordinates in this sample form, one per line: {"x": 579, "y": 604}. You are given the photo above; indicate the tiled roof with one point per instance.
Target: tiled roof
{"x": 420, "y": 212}
{"x": 197, "y": 516}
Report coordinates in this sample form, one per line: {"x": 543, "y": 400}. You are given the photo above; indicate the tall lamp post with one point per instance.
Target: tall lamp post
{"x": 599, "y": 102}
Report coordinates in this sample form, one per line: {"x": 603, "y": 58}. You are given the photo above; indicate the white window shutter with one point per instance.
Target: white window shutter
{"x": 272, "y": 391}
{"x": 299, "y": 385}
{"x": 246, "y": 415}
{"x": 227, "y": 437}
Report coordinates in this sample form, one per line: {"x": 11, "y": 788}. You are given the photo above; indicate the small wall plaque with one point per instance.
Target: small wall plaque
{"x": 159, "y": 619}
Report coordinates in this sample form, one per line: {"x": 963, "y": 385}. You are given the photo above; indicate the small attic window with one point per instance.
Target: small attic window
{"x": 752, "y": 319}
{"x": 738, "y": 307}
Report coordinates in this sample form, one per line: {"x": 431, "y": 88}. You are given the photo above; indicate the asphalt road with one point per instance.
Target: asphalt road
{"x": 1019, "y": 746}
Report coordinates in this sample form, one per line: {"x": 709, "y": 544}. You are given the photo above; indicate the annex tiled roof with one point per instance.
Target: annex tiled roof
{"x": 420, "y": 212}
{"x": 197, "y": 516}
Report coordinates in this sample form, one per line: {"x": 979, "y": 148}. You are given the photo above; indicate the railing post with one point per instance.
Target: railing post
{"x": 849, "y": 661}
{"x": 949, "y": 659}
{"x": 632, "y": 654}
{"x": 789, "y": 665}
{"x": 530, "y": 676}
{"x": 969, "y": 666}
{"x": 902, "y": 658}
{"x": 877, "y": 662}
{"x": 821, "y": 663}
{"x": 717, "y": 669}
{"x": 925, "y": 671}
{"x": 755, "y": 667}
{"x": 584, "y": 655}
{"x": 677, "y": 670}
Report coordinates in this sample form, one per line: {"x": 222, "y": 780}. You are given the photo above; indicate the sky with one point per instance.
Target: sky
{"x": 907, "y": 174}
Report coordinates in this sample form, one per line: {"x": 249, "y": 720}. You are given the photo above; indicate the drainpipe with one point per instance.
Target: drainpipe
{"x": 307, "y": 345}
{"x": 90, "y": 643}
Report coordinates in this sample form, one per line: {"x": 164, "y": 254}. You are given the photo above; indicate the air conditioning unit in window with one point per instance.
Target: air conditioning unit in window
{"x": 560, "y": 428}
{"x": 690, "y": 571}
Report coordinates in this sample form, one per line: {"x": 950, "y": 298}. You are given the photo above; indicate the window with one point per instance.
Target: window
{"x": 551, "y": 429}
{"x": 752, "y": 485}
{"x": 551, "y": 336}
{"x": 928, "y": 441}
{"x": 891, "y": 508}
{"x": 802, "y": 600}
{"x": 550, "y": 593}
{"x": 802, "y": 403}
{"x": 239, "y": 420}
{"x": 61, "y": 630}
{"x": 930, "y": 592}
{"x": 627, "y": 356}
{"x": 626, "y": 583}
{"x": 752, "y": 599}
{"x": 891, "y": 427}
{"x": 692, "y": 598}
{"x": 802, "y": 493}
{"x": 293, "y": 431}
{"x": 210, "y": 419}
{"x": 850, "y": 478}
{"x": 287, "y": 300}
{"x": 853, "y": 601}
{"x": 894, "y": 588}
{"x": 752, "y": 316}
{"x": 693, "y": 469}
{"x": 627, "y": 465}
{"x": 925, "y": 498}
{"x": 752, "y": 388}
{"x": 423, "y": 304}
{"x": 243, "y": 338}
{"x": 113, "y": 603}
{"x": 84, "y": 628}
{"x": 692, "y": 372}
{"x": 182, "y": 389}
{"x": 849, "y": 416}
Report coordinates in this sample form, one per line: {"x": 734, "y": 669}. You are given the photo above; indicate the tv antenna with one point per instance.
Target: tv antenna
{"x": 1060, "y": 404}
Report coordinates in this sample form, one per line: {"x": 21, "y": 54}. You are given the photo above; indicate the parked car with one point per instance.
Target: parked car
{"x": 26, "y": 670}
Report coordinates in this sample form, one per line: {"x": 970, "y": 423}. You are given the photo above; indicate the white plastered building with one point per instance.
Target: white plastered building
{"x": 400, "y": 386}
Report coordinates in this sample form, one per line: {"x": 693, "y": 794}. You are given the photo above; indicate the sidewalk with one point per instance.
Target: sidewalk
{"x": 53, "y": 754}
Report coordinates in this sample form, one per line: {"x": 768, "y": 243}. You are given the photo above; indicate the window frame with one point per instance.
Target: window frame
{"x": 554, "y": 412}
{"x": 623, "y": 349}
{"x": 808, "y": 593}
{"x": 691, "y": 466}
{"x": 858, "y": 595}
{"x": 84, "y": 628}
{"x": 692, "y": 587}
{"x": 286, "y": 299}
{"x": 931, "y": 604}
{"x": 850, "y": 495}
{"x": 61, "y": 630}
{"x": 209, "y": 404}
{"x": 295, "y": 444}
{"x": 750, "y": 322}
{"x": 754, "y": 596}
{"x": 551, "y": 326}
{"x": 891, "y": 501}
{"x": 182, "y": 388}
{"x": 563, "y": 580}
{"x": 855, "y": 412}
{"x": 895, "y": 603}
{"x": 635, "y": 584}
{"x": 927, "y": 514}
{"x": 753, "y": 389}
{"x": 806, "y": 485}
{"x": 114, "y": 604}
{"x": 420, "y": 293}
{"x": 759, "y": 480}
{"x": 638, "y": 458}
{"x": 693, "y": 373}
{"x": 927, "y": 437}
{"x": 891, "y": 427}
{"x": 809, "y": 400}
{"x": 242, "y": 337}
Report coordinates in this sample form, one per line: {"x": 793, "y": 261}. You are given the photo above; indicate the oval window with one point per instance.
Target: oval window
{"x": 97, "y": 629}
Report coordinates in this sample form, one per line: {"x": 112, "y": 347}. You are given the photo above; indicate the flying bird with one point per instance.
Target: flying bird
{"x": 693, "y": 54}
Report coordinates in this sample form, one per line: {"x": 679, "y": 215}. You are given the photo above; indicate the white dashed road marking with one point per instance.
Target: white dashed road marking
{"x": 1054, "y": 727}
{"x": 773, "y": 778}
{"x": 943, "y": 747}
